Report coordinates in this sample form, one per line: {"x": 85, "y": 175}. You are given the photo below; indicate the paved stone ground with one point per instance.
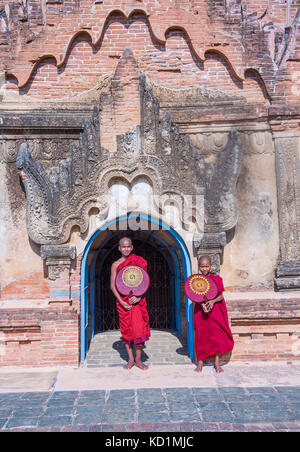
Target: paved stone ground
{"x": 164, "y": 347}
{"x": 168, "y": 397}
{"x": 154, "y": 409}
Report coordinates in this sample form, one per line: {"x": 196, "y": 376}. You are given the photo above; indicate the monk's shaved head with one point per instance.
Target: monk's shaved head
{"x": 205, "y": 259}
{"x": 123, "y": 240}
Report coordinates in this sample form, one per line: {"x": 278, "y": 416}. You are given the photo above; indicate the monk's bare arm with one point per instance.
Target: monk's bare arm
{"x": 215, "y": 300}
{"x": 219, "y": 298}
{"x": 209, "y": 304}
{"x": 113, "y": 275}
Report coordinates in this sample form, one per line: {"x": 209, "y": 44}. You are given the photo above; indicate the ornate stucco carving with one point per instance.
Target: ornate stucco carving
{"x": 220, "y": 200}
{"x": 211, "y": 245}
{"x": 176, "y": 165}
{"x": 61, "y": 197}
{"x": 46, "y": 149}
{"x": 58, "y": 258}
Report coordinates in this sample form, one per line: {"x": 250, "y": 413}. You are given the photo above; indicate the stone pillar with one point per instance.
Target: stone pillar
{"x": 210, "y": 244}
{"x": 58, "y": 258}
{"x": 287, "y": 150}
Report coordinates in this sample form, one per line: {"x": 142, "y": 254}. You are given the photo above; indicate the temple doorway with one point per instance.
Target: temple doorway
{"x": 168, "y": 266}
{"x": 160, "y": 296}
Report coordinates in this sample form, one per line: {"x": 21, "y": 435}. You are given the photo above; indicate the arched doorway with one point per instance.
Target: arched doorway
{"x": 160, "y": 296}
{"x": 169, "y": 266}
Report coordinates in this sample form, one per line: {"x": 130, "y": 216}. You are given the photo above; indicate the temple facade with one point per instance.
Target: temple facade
{"x": 173, "y": 122}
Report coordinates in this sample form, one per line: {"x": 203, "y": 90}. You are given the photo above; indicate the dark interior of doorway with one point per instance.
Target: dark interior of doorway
{"x": 160, "y": 300}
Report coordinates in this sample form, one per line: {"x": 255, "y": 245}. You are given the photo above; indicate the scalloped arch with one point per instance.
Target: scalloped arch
{"x": 128, "y": 181}
{"x": 159, "y": 33}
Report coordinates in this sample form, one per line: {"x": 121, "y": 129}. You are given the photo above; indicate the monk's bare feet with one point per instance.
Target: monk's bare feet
{"x": 199, "y": 367}
{"x": 141, "y": 365}
{"x": 218, "y": 369}
{"x": 129, "y": 365}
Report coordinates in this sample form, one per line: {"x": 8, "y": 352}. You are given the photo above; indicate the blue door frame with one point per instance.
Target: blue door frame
{"x": 85, "y": 282}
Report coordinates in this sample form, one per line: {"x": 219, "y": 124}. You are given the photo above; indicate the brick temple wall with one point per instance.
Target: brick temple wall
{"x": 265, "y": 328}
{"x": 41, "y": 336}
{"x": 67, "y": 55}
{"x": 63, "y": 48}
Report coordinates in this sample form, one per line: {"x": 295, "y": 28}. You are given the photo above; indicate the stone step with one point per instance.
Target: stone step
{"x": 164, "y": 347}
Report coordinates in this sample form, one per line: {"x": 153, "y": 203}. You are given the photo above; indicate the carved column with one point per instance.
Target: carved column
{"x": 58, "y": 258}
{"x": 211, "y": 245}
{"x": 287, "y": 151}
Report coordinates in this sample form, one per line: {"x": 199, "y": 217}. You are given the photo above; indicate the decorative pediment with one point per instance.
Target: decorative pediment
{"x": 175, "y": 165}
{"x": 61, "y": 197}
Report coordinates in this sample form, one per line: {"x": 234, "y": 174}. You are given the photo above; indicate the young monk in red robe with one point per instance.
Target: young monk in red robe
{"x": 133, "y": 314}
{"x": 213, "y": 336}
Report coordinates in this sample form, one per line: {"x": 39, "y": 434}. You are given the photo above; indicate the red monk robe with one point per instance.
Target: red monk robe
{"x": 212, "y": 331}
{"x": 134, "y": 324}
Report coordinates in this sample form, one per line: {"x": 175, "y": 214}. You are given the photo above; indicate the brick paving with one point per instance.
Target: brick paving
{"x": 164, "y": 347}
{"x": 154, "y": 409}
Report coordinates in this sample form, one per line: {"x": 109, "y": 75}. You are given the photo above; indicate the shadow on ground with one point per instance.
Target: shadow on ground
{"x": 119, "y": 346}
{"x": 164, "y": 347}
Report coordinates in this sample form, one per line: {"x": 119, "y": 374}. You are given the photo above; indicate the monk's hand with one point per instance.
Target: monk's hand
{"x": 209, "y": 305}
{"x": 134, "y": 300}
{"x": 204, "y": 308}
{"x": 126, "y": 306}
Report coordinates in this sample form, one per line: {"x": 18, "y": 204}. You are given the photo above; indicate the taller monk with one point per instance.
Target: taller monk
{"x": 133, "y": 314}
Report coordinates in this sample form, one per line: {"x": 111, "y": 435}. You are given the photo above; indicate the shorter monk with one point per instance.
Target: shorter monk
{"x": 213, "y": 336}
{"x": 133, "y": 314}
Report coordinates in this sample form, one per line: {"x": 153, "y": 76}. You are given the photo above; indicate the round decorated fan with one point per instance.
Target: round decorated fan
{"x": 132, "y": 280}
{"x": 200, "y": 288}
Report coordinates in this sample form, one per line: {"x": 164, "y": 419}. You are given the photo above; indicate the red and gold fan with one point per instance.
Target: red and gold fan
{"x": 132, "y": 280}
{"x": 200, "y": 288}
